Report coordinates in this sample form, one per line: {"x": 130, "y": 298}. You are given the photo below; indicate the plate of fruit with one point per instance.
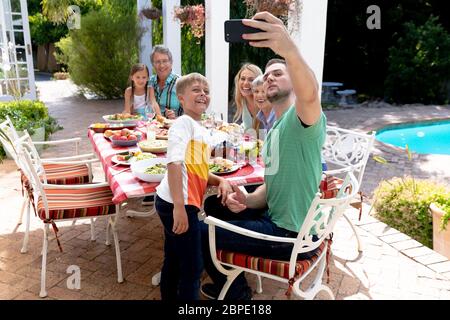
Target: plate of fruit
{"x": 122, "y": 118}
{"x": 124, "y": 137}
{"x": 127, "y": 157}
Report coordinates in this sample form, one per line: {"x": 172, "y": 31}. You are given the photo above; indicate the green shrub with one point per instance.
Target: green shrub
{"x": 99, "y": 54}
{"x": 419, "y": 64}
{"x": 444, "y": 204}
{"x": 29, "y": 115}
{"x": 403, "y": 203}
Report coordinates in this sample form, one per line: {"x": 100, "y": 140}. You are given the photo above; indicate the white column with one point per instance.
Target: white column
{"x": 145, "y": 45}
{"x": 172, "y": 32}
{"x": 310, "y": 38}
{"x": 217, "y": 55}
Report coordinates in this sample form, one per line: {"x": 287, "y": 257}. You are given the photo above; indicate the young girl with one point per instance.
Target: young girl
{"x": 139, "y": 94}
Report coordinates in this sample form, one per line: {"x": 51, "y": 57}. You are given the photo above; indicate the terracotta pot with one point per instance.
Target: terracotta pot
{"x": 441, "y": 238}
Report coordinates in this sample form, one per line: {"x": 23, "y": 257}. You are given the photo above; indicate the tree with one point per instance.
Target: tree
{"x": 419, "y": 64}
{"x": 56, "y": 10}
{"x": 99, "y": 55}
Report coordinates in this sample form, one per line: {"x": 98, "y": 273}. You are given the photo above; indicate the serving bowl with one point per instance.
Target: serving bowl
{"x": 138, "y": 168}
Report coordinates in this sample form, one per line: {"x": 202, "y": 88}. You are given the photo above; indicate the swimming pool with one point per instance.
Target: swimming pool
{"x": 425, "y": 138}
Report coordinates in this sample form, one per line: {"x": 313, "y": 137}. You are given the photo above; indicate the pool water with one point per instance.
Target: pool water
{"x": 424, "y": 138}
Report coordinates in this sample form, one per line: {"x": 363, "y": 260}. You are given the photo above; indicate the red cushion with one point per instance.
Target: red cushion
{"x": 274, "y": 267}
{"x": 75, "y": 203}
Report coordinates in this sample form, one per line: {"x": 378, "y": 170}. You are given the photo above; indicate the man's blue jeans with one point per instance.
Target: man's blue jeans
{"x": 256, "y": 220}
{"x": 183, "y": 265}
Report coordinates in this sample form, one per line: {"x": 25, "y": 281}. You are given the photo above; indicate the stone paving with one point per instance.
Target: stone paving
{"x": 391, "y": 266}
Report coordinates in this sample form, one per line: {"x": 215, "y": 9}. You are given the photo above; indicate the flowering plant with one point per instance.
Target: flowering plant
{"x": 276, "y": 7}
{"x": 193, "y": 16}
{"x": 279, "y": 8}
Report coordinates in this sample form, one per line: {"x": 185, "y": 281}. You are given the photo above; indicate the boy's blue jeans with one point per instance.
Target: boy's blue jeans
{"x": 183, "y": 265}
{"x": 252, "y": 219}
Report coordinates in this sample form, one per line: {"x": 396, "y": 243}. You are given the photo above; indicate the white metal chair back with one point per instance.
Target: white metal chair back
{"x": 320, "y": 221}
{"x": 8, "y": 135}
{"x": 26, "y": 143}
{"x": 348, "y": 150}
{"x": 322, "y": 217}
{"x": 29, "y": 162}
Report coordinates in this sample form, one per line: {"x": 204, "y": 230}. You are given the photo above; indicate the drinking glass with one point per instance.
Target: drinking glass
{"x": 250, "y": 151}
{"x": 209, "y": 121}
{"x": 151, "y": 132}
{"x": 149, "y": 113}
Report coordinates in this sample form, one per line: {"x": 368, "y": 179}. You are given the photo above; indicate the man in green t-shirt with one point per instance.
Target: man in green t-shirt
{"x": 291, "y": 155}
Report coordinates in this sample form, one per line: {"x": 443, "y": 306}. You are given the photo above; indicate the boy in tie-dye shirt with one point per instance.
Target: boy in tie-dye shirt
{"x": 180, "y": 194}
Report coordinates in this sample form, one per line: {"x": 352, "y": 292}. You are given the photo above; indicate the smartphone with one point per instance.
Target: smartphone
{"x": 234, "y": 29}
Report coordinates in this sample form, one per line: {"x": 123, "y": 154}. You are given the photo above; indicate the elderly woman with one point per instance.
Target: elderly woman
{"x": 265, "y": 117}
{"x": 163, "y": 83}
{"x": 243, "y": 95}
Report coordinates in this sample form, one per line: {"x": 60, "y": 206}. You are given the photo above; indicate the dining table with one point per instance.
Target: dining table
{"x": 124, "y": 185}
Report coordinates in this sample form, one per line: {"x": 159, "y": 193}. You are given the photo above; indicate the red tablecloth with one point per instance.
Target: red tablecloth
{"x": 124, "y": 185}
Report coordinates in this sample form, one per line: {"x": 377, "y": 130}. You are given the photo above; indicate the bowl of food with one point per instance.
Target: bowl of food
{"x": 162, "y": 133}
{"x": 164, "y": 122}
{"x": 99, "y": 127}
{"x": 156, "y": 146}
{"x": 126, "y": 138}
{"x": 122, "y": 118}
{"x": 150, "y": 170}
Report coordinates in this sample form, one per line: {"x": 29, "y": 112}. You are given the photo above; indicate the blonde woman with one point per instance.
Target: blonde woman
{"x": 243, "y": 95}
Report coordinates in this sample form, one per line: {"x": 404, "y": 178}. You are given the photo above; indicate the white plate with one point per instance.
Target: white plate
{"x": 155, "y": 146}
{"x": 123, "y": 163}
{"x": 138, "y": 168}
{"x": 234, "y": 168}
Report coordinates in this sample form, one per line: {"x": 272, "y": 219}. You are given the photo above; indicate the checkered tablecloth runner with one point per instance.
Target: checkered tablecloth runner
{"x": 124, "y": 185}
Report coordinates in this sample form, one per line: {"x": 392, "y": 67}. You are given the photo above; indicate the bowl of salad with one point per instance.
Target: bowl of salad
{"x": 150, "y": 170}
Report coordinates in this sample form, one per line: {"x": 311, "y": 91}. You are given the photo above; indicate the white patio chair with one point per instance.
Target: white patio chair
{"x": 320, "y": 220}
{"x": 75, "y": 169}
{"x": 347, "y": 151}
{"x": 54, "y": 203}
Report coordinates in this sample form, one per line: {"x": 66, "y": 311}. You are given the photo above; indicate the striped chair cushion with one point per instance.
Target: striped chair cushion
{"x": 75, "y": 203}
{"x": 66, "y": 173}
{"x": 274, "y": 267}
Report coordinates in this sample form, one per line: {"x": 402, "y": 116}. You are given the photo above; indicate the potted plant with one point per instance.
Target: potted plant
{"x": 192, "y": 16}
{"x": 441, "y": 233}
{"x": 152, "y": 13}
{"x": 279, "y": 8}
